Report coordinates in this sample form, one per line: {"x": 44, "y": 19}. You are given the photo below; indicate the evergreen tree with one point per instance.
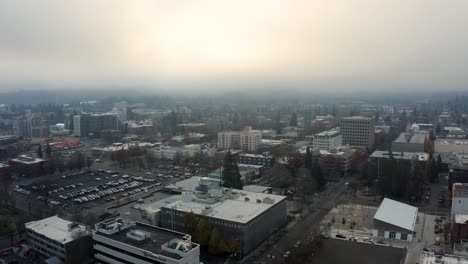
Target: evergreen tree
{"x": 439, "y": 164}
{"x": 317, "y": 173}
{"x": 231, "y": 177}
{"x": 308, "y": 159}
{"x": 39, "y": 151}
{"x": 293, "y": 120}
{"x": 48, "y": 150}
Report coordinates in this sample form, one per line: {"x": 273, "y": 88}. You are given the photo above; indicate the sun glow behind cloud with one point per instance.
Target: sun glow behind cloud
{"x": 358, "y": 43}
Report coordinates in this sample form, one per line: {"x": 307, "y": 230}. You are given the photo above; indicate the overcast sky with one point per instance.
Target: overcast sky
{"x": 176, "y": 44}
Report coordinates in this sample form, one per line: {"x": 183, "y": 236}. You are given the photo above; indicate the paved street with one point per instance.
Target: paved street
{"x": 302, "y": 228}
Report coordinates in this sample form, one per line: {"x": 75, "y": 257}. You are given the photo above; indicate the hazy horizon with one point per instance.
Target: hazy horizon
{"x": 216, "y": 46}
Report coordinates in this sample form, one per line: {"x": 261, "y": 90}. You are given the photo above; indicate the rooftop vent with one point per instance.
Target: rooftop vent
{"x": 259, "y": 201}
{"x": 138, "y": 235}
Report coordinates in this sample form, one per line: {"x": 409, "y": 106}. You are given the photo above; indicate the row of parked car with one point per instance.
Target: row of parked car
{"x": 107, "y": 192}
{"x": 74, "y": 194}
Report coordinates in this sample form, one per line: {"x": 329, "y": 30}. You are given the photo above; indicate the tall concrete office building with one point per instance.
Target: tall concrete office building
{"x": 358, "y": 131}
{"x": 86, "y": 124}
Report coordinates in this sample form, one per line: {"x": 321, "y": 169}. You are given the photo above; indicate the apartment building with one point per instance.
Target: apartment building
{"x": 247, "y": 140}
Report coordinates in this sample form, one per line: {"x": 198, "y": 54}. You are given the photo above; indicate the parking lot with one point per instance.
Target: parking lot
{"x": 88, "y": 188}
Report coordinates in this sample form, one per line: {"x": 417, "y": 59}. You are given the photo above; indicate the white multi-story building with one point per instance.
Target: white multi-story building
{"x": 247, "y": 140}
{"x": 459, "y": 199}
{"x": 358, "y": 131}
{"x": 327, "y": 140}
{"x": 55, "y": 236}
{"x": 119, "y": 241}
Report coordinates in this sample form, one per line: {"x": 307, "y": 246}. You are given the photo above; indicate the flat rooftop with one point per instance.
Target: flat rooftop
{"x": 328, "y": 133}
{"x": 421, "y": 156}
{"x": 188, "y": 185}
{"x": 55, "y": 228}
{"x": 416, "y": 138}
{"x": 192, "y": 124}
{"x": 357, "y": 118}
{"x": 3, "y": 165}
{"x": 155, "y": 238}
{"x": 27, "y": 160}
{"x": 451, "y": 141}
{"x": 460, "y": 190}
{"x": 255, "y": 156}
{"x": 241, "y": 207}
{"x": 256, "y": 188}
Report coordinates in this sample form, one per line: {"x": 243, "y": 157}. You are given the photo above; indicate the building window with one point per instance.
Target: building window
{"x": 392, "y": 235}
{"x": 404, "y": 236}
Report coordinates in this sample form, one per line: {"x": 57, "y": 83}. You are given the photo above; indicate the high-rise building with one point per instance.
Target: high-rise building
{"x": 30, "y": 127}
{"x": 327, "y": 140}
{"x": 247, "y": 140}
{"x": 358, "y": 131}
{"x": 124, "y": 241}
{"x": 86, "y": 124}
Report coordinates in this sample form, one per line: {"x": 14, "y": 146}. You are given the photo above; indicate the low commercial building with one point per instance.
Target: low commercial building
{"x": 451, "y": 145}
{"x": 27, "y": 165}
{"x": 143, "y": 127}
{"x": 108, "y": 150}
{"x": 245, "y": 216}
{"x": 410, "y": 142}
{"x": 187, "y": 151}
{"x": 192, "y": 127}
{"x": 265, "y": 160}
{"x": 422, "y": 127}
{"x": 458, "y": 171}
{"x": 55, "y": 237}
{"x": 119, "y": 241}
{"x": 65, "y": 143}
{"x": 380, "y": 154}
{"x": 395, "y": 220}
{"x": 327, "y": 140}
{"x": 454, "y": 132}
{"x": 338, "y": 163}
{"x": 8, "y": 139}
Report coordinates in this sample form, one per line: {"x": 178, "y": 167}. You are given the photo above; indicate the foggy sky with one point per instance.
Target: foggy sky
{"x": 241, "y": 44}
